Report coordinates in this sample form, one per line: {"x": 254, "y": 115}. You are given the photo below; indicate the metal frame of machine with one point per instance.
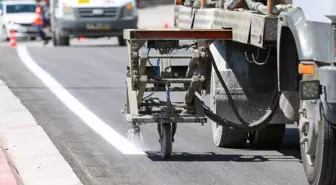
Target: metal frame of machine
{"x": 167, "y": 113}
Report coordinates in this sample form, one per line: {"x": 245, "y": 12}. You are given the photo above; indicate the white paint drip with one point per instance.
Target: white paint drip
{"x": 89, "y": 118}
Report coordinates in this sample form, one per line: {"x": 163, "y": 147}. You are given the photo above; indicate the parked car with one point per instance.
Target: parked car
{"x": 17, "y": 15}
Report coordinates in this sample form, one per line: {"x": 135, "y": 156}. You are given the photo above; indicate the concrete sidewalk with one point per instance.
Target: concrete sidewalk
{"x": 33, "y": 158}
{"x": 8, "y": 175}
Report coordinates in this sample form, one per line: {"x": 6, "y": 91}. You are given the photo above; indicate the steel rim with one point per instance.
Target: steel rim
{"x": 311, "y": 132}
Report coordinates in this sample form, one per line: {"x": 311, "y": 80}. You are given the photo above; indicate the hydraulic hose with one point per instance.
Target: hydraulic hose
{"x": 245, "y": 126}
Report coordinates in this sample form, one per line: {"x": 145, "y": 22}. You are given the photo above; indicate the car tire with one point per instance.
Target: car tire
{"x": 64, "y": 41}
{"x": 60, "y": 41}
{"x": 53, "y": 38}
{"x": 269, "y": 137}
{"x": 121, "y": 41}
{"x": 223, "y": 136}
{"x": 320, "y": 169}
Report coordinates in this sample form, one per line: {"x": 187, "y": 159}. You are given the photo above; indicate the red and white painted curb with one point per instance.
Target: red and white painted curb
{"x": 7, "y": 175}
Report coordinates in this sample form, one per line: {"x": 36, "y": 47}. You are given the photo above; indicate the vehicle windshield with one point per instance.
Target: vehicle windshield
{"x": 20, "y": 8}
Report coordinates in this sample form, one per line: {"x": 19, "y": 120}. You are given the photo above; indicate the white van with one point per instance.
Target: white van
{"x": 91, "y": 19}
{"x": 17, "y": 15}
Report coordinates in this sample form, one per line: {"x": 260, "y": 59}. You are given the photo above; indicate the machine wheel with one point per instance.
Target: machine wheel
{"x": 318, "y": 146}
{"x": 166, "y": 139}
{"x": 121, "y": 41}
{"x": 270, "y": 136}
{"x": 32, "y": 38}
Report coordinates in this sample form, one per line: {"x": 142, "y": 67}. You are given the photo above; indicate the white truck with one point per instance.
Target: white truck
{"x": 91, "y": 19}
{"x": 244, "y": 52}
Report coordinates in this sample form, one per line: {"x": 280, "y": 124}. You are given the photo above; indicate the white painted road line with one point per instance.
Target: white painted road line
{"x": 89, "y": 118}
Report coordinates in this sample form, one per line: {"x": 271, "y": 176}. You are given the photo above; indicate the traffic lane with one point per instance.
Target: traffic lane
{"x": 96, "y": 77}
{"x": 75, "y": 62}
{"x": 87, "y": 153}
{"x": 190, "y": 138}
{"x": 91, "y": 159}
{"x": 93, "y": 162}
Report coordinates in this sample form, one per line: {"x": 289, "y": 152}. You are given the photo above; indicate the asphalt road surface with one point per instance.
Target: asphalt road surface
{"x": 94, "y": 73}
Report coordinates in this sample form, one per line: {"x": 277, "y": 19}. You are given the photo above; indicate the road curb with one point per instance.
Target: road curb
{"x": 28, "y": 148}
{"x": 8, "y": 173}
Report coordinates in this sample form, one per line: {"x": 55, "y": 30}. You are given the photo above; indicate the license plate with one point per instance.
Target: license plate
{"x": 98, "y": 26}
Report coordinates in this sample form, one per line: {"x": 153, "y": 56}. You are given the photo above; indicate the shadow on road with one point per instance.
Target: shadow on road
{"x": 290, "y": 152}
{"x": 70, "y": 87}
{"x": 97, "y": 45}
{"x": 207, "y": 157}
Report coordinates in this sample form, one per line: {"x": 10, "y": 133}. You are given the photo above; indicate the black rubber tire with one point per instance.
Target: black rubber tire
{"x": 32, "y": 38}
{"x": 166, "y": 140}
{"x": 60, "y": 41}
{"x": 223, "y": 137}
{"x": 121, "y": 41}
{"x": 269, "y": 137}
{"x": 54, "y": 40}
{"x": 324, "y": 170}
{"x": 64, "y": 41}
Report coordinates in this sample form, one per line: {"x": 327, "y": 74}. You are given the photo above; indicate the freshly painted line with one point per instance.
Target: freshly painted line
{"x": 99, "y": 126}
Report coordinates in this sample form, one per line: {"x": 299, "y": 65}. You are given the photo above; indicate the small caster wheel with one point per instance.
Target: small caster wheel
{"x": 166, "y": 139}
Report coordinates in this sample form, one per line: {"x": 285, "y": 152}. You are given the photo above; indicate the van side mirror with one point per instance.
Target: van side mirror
{"x": 1, "y": 12}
